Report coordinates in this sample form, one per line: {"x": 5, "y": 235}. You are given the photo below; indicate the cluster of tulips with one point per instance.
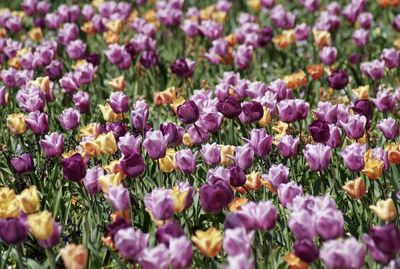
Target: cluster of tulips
{"x": 198, "y": 134}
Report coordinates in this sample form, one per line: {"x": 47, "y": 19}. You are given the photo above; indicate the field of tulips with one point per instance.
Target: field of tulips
{"x": 235, "y": 134}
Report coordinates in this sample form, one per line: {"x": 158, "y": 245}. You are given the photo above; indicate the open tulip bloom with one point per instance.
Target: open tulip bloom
{"x": 199, "y": 134}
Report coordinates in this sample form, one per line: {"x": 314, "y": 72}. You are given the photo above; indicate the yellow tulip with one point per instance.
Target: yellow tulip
{"x": 393, "y": 153}
{"x": 109, "y": 115}
{"x": 373, "y": 168}
{"x": 294, "y": 262}
{"x": 29, "y": 201}
{"x": 92, "y": 129}
{"x": 296, "y": 80}
{"x": 16, "y": 123}
{"x": 74, "y": 256}
{"x": 187, "y": 140}
{"x": 110, "y": 180}
{"x": 118, "y": 83}
{"x": 107, "y": 143}
{"x": 78, "y": 63}
{"x": 114, "y": 26}
{"x": 91, "y": 148}
{"x": 227, "y": 154}
{"x": 114, "y": 168}
{"x": 88, "y": 28}
{"x": 322, "y": 38}
{"x": 236, "y": 204}
{"x": 253, "y": 182}
{"x": 167, "y": 163}
{"x": 179, "y": 199}
{"x": 177, "y": 102}
{"x": 355, "y": 188}
{"x": 254, "y": 5}
{"x": 41, "y": 225}
{"x": 385, "y": 209}
{"x": 43, "y": 83}
{"x": 208, "y": 242}
{"x": 8, "y": 203}
{"x": 35, "y": 34}
{"x": 362, "y": 92}
{"x": 266, "y": 118}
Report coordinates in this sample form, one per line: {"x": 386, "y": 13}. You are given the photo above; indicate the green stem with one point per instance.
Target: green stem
{"x": 50, "y": 258}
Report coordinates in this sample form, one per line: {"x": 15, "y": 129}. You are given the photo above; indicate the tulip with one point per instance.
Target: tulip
{"x": 261, "y": 215}
{"x": 391, "y": 57}
{"x": 133, "y": 165}
{"x": 23, "y": 163}
{"x": 74, "y": 256}
{"x": 237, "y": 241}
{"x": 91, "y": 179}
{"x": 183, "y": 196}
{"x": 52, "y": 145}
{"x": 260, "y": 142}
{"x": 169, "y": 231}
{"x": 41, "y": 225}
{"x": 240, "y": 261}
{"x": 180, "y": 251}
{"x": 74, "y": 167}
{"x": 383, "y": 242}
{"x": 355, "y": 188}
{"x": 251, "y": 112}
{"x": 375, "y": 70}
{"x": 355, "y": 126}
{"x": 237, "y": 177}
{"x": 81, "y": 100}
{"x": 188, "y": 112}
{"x": 335, "y": 136}
{"x": 160, "y": 203}
{"x": 54, "y": 70}
{"x": 109, "y": 115}
{"x": 243, "y": 56}
{"x": 183, "y": 68}
{"x": 197, "y": 134}
{"x": 69, "y": 119}
{"x": 343, "y": 253}
{"x": 13, "y": 230}
{"x": 338, "y": 79}
{"x": 156, "y": 257}
{"x": 277, "y": 175}
{"x": 329, "y": 224}
{"x": 38, "y": 122}
{"x": 326, "y": 112}
{"x": 373, "y": 168}
{"x": 328, "y": 55}
{"x": 119, "y": 102}
{"x": 3, "y": 96}
{"x": 167, "y": 163}
{"x": 16, "y": 123}
{"x": 318, "y": 156}
{"x": 287, "y": 192}
{"x": 288, "y": 146}
{"x": 119, "y": 197}
{"x": 385, "y": 209}
{"x": 389, "y": 128}
{"x": 155, "y": 144}
{"x": 384, "y": 101}
{"x": 306, "y": 250}
{"x": 208, "y": 242}
{"x": 302, "y": 224}
{"x": 227, "y": 154}
{"x": 130, "y": 242}
{"x": 365, "y": 20}
{"x": 211, "y": 153}
{"x": 173, "y": 132}
{"x": 186, "y": 161}
{"x": 229, "y": 107}
{"x": 29, "y": 201}
{"x": 360, "y": 37}
{"x": 106, "y": 143}
{"x": 215, "y": 196}
{"x": 76, "y": 49}
{"x": 244, "y": 156}
{"x": 54, "y": 237}
{"x": 353, "y": 156}
{"x": 319, "y": 131}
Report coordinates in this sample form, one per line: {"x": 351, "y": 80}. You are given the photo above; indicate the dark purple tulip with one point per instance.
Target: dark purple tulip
{"x": 133, "y": 165}
{"x": 214, "y": 197}
{"x": 383, "y": 242}
{"x": 13, "y": 231}
{"x": 117, "y": 128}
{"x": 396, "y": 23}
{"x": 306, "y": 250}
{"x": 229, "y": 107}
{"x": 265, "y": 36}
{"x": 236, "y": 176}
{"x": 168, "y": 231}
{"x": 183, "y": 68}
{"x": 149, "y": 58}
{"x": 188, "y": 112}
{"x": 319, "y": 131}
{"x": 54, "y": 70}
{"x": 338, "y": 79}
{"x": 251, "y": 112}
{"x": 354, "y": 58}
{"x": 173, "y": 133}
{"x": 363, "y": 107}
{"x": 22, "y": 164}
{"x": 93, "y": 58}
{"x": 74, "y": 167}
{"x": 232, "y": 221}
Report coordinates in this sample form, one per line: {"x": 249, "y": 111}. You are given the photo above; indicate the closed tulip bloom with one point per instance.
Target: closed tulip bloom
{"x": 237, "y": 241}
{"x": 385, "y": 209}
{"x": 318, "y": 156}
{"x": 16, "y": 123}
{"x": 319, "y": 131}
{"x": 13, "y": 230}
{"x": 237, "y": 177}
{"x": 169, "y": 231}
{"x": 215, "y": 196}
{"x": 3, "y": 96}
{"x": 183, "y": 68}
{"x": 365, "y": 20}
{"x": 119, "y": 197}
{"x": 186, "y": 161}
{"x": 76, "y": 49}
{"x": 355, "y": 126}
{"x": 243, "y": 56}
{"x": 374, "y": 70}
{"x": 288, "y": 146}
{"x": 329, "y": 224}
{"x": 74, "y": 167}
{"x": 389, "y": 128}
{"x": 208, "y": 242}
{"x": 188, "y": 112}
{"x": 74, "y": 256}
{"x": 160, "y": 203}
{"x": 229, "y": 107}
{"x": 173, "y": 132}
{"x": 335, "y": 136}
{"x": 353, "y": 157}
{"x": 197, "y": 134}
{"x": 69, "y": 119}
{"x": 338, "y": 79}
{"x": 23, "y": 163}
{"x": 241, "y": 261}
{"x": 343, "y": 253}
{"x": 360, "y": 37}
{"x": 155, "y": 144}
{"x": 133, "y": 165}
{"x": 244, "y": 156}
{"x": 119, "y": 102}
{"x": 91, "y": 182}
{"x": 211, "y": 153}
{"x": 54, "y": 70}
{"x": 41, "y": 225}
{"x": 211, "y": 121}
{"x": 129, "y": 144}
{"x": 52, "y": 145}
{"x": 287, "y": 192}
{"x": 54, "y": 238}
{"x": 156, "y": 257}
{"x": 355, "y": 188}
{"x": 326, "y": 112}
{"x": 277, "y": 175}
{"x": 328, "y": 55}
{"x": 306, "y": 250}
{"x": 391, "y": 57}
{"x": 287, "y": 110}
{"x": 384, "y": 101}
{"x": 251, "y": 112}
{"x": 81, "y": 101}
{"x": 29, "y": 201}
{"x": 38, "y": 122}
{"x": 261, "y": 215}
{"x": 69, "y": 83}
{"x": 260, "y": 142}
{"x": 302, "y": 225}
{"x": 130, "y": 243}
{"x": 383, "y": 242}
{"x": 107, "y": 143}
{"x": 181, "y": 252}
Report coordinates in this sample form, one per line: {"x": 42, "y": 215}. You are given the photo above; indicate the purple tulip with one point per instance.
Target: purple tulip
{"x": 211, "y": 153}
{"x": 328, "y": 55}
{"x": 282, "y": 18}
{"x": 188, "y": 112}
{"x": 319, "y": 131}
{"x": 160, "y": 203}
{"x": 91, "y": 182}
{"x": 287, "y": 110}
{"x": 277, "y": 175}
{"x": 119, "y": 197}
{"x": 288, "y": 146}
{"x": 343, "y": 253}
{"x": 198, "y": 134}
{"x": 287, "y": 192}
{"x": 260, "y": 142}
{"x": 318, "y": 156}
{"x": 69, "y": 119}
{"x": 149, "y": 58}
{"x": 338, "y": 79}
{"x": 173, "y": 132}
{"x": 180, "y": 251}
{"x": 384, "y": 101}
{"x": 74, "y": 167}
{"x": 54, "y": 237}
{"x": 3, "y": 96}
{"x": 156, "y": 257}
{"x": 229, "y": 107}
{"x": 54, "y": 70}
{"x": 186, "y": 161}
{"x": 119, "y": 102}
{"x": 211, "y": 121}
{"x": 335, "y": 136}
{"x": 396, "y": 23}
{"x": 329, "y": 224}
{"x": 52, "y": 145}
{"x": 383, "y": 242}
{"x": 129, "y": 144}
{"x": 23, "y": 163}
{"x": 244, "y": 156}
{"x": 355, "y": 126}
{"x": 243, "y": 56}
{"x": 155, "y": 144}
{"x": 215, "y": 196}
{"x": 389, "y": 128}
{"x": 13, "y": 230}
{"x": 251, "y": 112}
{"x": 68, "y": 33}
{"x": 375, "y": 70}
{"x": 391, "y": 57}
{"x": 210, "y": 29}
{"x": 183, "y": 68}
{"x": 306, "y": 250}
{"x": 69, "y": 83}
{"x": 353, "y": 157}
{"x": 130, "y": 243}
{"x": 242, "y": 261}
{"x": 360, "y": 37}
{"x": 302, "y": 31}
{"x": 363, "y": 107}
{"x": 133, "y": 165}
{"x": 169, "y": 231}
{"x": 139, "y": 115}
{"x": 81, "y": 100}
{"x": 302, "y": 225}
{"x": 84, "y": 74}
{"x": 31, "y": 98}
{"x": 365, "y": 20}
{"x": 238, "y": 241}
{"x": 237, "y": 177}
{"x": 38, "y": 122}
{"x": 76, "y": 49}
{"x": 261, "y": 215}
